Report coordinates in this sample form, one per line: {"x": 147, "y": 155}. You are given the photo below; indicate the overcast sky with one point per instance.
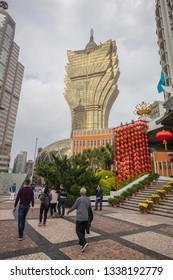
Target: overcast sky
{"x": 46, "y": 29}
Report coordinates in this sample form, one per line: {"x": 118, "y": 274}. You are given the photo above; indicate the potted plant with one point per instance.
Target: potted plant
{"x": 155, "y": 198}
{"x": 168, "y": 188}
{"x": 170, "y": 183}
{"x": 143, "y": 207}
{"x": 110, "y": 201}
{"x": 140, "y": 187}
{"x": 133, "y": 190}
{"x": 115, "y": 201}
{"x": 155, "y": 176}
{"x": 150, "y": 204}
{"x": 126, "y": 194}
{"x": 121, "y": 198}
{"x": 161, "y": 193}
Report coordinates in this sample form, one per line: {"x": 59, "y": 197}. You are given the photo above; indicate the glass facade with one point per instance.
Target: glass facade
{"x": 164, "y": 25}
{"x": 11, "y": 76}
{"x": 91, "y": 84}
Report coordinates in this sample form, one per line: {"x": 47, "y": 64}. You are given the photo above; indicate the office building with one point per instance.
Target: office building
{"x": 11, "y": 75}
{"x": 20, "y": 162}
{"x": 164, "y": 31}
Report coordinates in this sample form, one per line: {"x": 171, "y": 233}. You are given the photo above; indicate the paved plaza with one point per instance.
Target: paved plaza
{"x": 116, "y": 234}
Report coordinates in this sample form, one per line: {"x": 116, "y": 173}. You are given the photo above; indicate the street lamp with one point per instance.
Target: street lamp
{"x": 2, "y": 108}
{"x": 32, "y": 175}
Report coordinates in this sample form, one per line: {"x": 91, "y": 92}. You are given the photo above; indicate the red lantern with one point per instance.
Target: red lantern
{"x": 164, "y": 136}
{"x": 171, "y": 159}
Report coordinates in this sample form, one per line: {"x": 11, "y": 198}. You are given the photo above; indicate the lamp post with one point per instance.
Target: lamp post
{"x": 34, "y": 160}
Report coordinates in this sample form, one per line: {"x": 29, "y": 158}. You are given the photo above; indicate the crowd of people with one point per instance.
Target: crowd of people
{"x": 55, "y": 202}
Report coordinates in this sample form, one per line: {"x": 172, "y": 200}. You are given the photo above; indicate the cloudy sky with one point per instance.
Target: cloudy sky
{"x": 46, "y": 29}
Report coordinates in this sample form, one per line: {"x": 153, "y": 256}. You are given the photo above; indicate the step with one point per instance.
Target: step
{"x": 154, "y": 212}
{"x": 161, "y": 214}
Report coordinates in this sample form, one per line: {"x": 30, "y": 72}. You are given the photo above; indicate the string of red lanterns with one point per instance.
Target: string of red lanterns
{"x": 131, "y": 151}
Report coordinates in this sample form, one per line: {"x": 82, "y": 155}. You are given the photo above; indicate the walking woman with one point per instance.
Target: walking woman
{"x": 44, "y": 206}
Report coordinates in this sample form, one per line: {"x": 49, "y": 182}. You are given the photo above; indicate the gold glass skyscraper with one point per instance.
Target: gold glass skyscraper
{"x": 91, "y": 84}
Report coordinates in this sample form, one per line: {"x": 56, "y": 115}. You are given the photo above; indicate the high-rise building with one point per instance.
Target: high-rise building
{"x": 164, "y": 22}
{"x": 91, "y": 84}
{"x": 11, "y": 75}
{"x": 20, "y": 162}
{"x": 90, "y": 90}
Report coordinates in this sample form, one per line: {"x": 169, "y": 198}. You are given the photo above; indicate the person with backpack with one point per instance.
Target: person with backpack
{"x": 45, "y": 199}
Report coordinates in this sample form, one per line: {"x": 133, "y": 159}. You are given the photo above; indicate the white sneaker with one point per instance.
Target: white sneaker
{"x": 84, "y": 247}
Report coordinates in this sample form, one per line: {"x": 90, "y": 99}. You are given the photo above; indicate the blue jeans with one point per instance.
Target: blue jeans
{"x": 22, "y": 212}
{"x": 98, "y": 202}
{"x": 61, "y": 204}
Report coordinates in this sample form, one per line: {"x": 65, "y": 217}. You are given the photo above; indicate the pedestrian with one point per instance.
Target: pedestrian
{"x": 99, "y": 198}
{"x": 45, "y": 199}
{"x": 62, "y": 200}
{"x": 12, "y": 191}
{"x": 82, "y": 204}
{"x": 26, "y": 197}
{"x": 53, "y": 202}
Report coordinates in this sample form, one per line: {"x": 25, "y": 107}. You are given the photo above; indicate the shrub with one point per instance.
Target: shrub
{"x": 115, "y": 200}
{"x": 111, "y": 201}
{"x": 126, "y": 193}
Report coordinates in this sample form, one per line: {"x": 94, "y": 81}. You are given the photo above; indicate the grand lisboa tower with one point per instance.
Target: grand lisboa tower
{"x": 90, "y": 91}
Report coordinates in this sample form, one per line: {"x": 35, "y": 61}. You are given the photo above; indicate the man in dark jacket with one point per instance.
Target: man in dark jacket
{"x": 82, "y": 205}
{"x": 25, "y": 196}
{"x": 62, "y": 200}
{"x": 99, "y": 197}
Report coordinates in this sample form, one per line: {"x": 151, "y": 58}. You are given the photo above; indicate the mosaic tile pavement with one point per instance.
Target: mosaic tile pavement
{"x": 116, "y": 234}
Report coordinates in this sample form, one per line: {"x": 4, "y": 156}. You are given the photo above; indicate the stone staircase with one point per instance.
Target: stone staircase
{"x": 165, "y": 207}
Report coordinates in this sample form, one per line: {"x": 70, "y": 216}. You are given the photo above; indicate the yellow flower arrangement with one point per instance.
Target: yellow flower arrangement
{"x": 150, "y": 203}
{"x": 167, "y": 188}
{"x": 170, "y": 183}
{"x": 155, "y": 197}
{"x": 161, "y": 193}
{"x": 143, "y": 207}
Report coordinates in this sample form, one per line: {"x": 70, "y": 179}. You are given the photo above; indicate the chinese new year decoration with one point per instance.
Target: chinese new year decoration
{"x": 164, "y": 136}
{"x": 132, "y": 155}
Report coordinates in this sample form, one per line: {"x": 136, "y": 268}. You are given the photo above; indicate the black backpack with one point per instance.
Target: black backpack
{"x": 45, "y": 199}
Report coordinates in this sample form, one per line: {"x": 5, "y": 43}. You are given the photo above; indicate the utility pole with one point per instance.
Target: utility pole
{"x": 34, "y": 160}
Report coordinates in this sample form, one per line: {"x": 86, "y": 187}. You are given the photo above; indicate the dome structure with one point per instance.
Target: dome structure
{"x": 59, "y": 148}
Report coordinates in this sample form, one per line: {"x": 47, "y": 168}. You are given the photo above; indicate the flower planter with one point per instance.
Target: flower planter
{"x": 144, "y": 212}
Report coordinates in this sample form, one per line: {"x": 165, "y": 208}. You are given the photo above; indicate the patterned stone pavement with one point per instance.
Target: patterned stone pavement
{"x": 116, "y": 234}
